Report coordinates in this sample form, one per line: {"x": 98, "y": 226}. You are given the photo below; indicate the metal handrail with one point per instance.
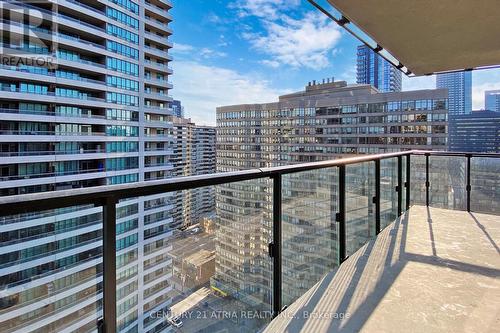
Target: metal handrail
{"x": 52, "y": 133}
{"x": 52, "y": 74}
{"x": 14, "y": 204}
{"x": 58, "y": 199}
{"x": 57, "y": 174}
{"x": 109, "y": 196}
{"x": 81, "y": 95}
{"x": 53, "y": 14}
{"x": 61, "y": 152}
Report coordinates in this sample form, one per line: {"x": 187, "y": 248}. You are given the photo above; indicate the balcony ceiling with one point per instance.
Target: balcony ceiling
{"x": 429, "y": 36}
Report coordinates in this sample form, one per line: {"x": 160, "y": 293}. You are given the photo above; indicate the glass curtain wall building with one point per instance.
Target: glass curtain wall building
{"x": 492, "y": 100}
{"x": 323, "y": 122}
{"x": 177, "y": 108}
{"x": 459, "y": 87}
{"x": 84, "y": 103}
{"x": 475, "y": 132}
{"x": 375, "y": 70}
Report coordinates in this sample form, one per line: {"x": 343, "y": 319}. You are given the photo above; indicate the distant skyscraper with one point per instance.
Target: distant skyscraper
{"x": 492, "y": 100}
{"x": 375, "y": 70}
{"x": 177, "y": 108}
{"x": 459, "y": 87}
{"x": 194, "y": 154}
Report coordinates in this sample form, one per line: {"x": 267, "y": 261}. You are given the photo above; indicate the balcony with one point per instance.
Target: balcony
{"x": 158, "y": 82}
{"x": 384, "y": 242}
{"x": 432, "y": 270}
{"x": 158, "y": 10}
{"x": 160, "y": 67}
{"x": 162, "y": 26}
{"x": 157, "y": 96}
{"x": 158, "y": 109}
{"x": 162, "y": 40}
{"x": 162, "y": 54}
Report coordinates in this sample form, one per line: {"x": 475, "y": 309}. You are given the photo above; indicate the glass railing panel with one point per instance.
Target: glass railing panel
{"x": 360, "y": 208}
{"x": 388, "y": 193}
{"x": 417, "y": 182}
{"x": 146, "y": 231}
{"x": 51, "y": 270}
{"x": 197, "y": 263}
{"x": 309, "y": 229}
{"x": 243, "y": 277}
{"x": 447, "y": 177}
{"x": 485, "y": 185}
{"x": 131, "y": 231}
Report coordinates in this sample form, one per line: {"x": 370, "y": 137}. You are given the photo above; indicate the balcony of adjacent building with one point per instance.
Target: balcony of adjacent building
{"x": 158, "y": 7}
{"x": 157, "y": 36}
{"x": 50, "y": 170}
{"x": 70, "y": 14}
{"x": 159, "y": 108}
{"x": 46, "y": 113}
{"x": 157, "y": 21}
{"x": 156, "y": 50}
{"x": 155, "y": 95}
{"x": 74, "y": 93}
{"x": 158, "y": 65}
{"x": 389, "y": 242}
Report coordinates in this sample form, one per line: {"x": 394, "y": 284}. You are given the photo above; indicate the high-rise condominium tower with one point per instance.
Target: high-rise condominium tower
{"x": 177, "y": 108}
{"x": 194, "y": 154}
{"x": 84, "y": 103}
{"x": 375, "y": 70}
{"x": 459, "y": 87}
{"x": 323, "y": 122}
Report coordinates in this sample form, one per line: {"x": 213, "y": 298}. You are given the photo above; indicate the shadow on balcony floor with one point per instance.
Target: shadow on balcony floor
{"x": 432, "y": 270}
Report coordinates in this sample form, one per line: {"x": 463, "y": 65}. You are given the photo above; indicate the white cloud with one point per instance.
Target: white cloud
{"x": 195, "y": 52}
{"x": 182, "y": 48}
{"x": 349, "y": 75}
{"x": 419, "y": 82}
{"x": 213, "y": 18}
{"x": 202, "y": 88}
{"x": 478, "y": 94}
{"x": 268, "y": 9}
{"x": 336, "y": 52}
{"x": 222, "y": 41}
{"x": 487, "y": 79}
{"x": 209, "y": 53}
{"x": 307, "y": 42}
{"x": 270, "y": 63}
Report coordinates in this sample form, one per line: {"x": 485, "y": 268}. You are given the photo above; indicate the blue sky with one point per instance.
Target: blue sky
{"x": 251, "y": 51}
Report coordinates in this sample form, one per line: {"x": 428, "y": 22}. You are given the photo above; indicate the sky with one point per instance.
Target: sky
{"x": 251, "y": 51}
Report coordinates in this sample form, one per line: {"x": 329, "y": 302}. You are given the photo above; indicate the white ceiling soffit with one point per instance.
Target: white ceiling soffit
{"x": 430, "y": 36}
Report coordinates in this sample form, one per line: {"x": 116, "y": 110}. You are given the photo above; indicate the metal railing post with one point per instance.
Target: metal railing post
{"x": 341, "y": 215}
{"x": 407, "y": 183}
{"x": 468, "y": 185}
{"x": 109, "y": 265}
{"x": 376, "y": 199}
{"x": 275, "y": 246}
{"x": 427, "y": 182}
{"x": 400, "y": 185}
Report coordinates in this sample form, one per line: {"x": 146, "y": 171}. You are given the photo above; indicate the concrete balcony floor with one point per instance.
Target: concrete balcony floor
{"x": 432, "y": 270}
